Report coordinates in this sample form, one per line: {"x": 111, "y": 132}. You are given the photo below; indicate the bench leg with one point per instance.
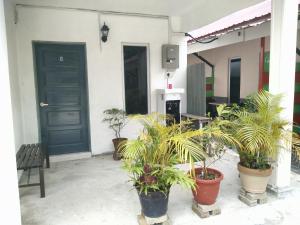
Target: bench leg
{"x": 47, "y": 160}
{"x": 28, "y": 178}
{"x": 45, "y": 154}
{"x": 42, "y": 183}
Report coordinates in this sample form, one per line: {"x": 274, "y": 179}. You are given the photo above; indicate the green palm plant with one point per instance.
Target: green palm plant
{"x": 151, "y": 158}
{"x": 215, "y": 139}
{"x": 259, "y": 128}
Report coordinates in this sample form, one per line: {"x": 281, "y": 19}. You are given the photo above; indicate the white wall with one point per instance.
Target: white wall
{"x": 249, "y": 54}
{"x": 178, "y": 78}
{"x": 9, "y": 6}
{"x": 9, "y": 194}
{"x": 104, "y": 63}
{"x": 248, "y": 51}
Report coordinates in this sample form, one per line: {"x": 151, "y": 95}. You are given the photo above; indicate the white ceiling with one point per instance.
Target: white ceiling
{"x": 203, "y": 11}
{"x": 157, "y": 7}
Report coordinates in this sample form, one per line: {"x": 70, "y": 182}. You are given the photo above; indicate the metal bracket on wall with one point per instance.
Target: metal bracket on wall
{"x": 205, "y": 61}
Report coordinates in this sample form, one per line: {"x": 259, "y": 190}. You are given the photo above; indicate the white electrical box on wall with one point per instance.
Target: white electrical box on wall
{"x": 170, "y": 56}
{"x": 169, "y": 102}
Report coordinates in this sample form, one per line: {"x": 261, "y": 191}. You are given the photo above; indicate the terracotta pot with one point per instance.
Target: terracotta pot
{"x": 254, "y": 180}
{"x": 116, "y": 141}
{"x": 207, "y": 191}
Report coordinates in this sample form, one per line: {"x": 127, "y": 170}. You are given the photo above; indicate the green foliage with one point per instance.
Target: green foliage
{"x": 259, "y": 128}
{"x": 254, "y": 161}
{"x": 296, "y": 147}
{"x": 216, "y": 138}
{"x": 151, "y": 158}
{"x": 116, "y": 118}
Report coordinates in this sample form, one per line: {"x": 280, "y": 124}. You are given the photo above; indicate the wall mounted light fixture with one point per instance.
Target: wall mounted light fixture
{"x": 104, "y": 31}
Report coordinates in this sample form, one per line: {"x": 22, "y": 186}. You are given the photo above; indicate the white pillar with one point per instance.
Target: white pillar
{"x": 9, "y": 194}
{"x": 282, "y": 78}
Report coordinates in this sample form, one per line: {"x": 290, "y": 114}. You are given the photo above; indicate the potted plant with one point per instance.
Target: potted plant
{"x": 259, "y": 128}
{"x": 296, "y": 151}
{"x": 151, "y": 160}
{"x": 213, "y": 141}
{"x": 116, "y": 118}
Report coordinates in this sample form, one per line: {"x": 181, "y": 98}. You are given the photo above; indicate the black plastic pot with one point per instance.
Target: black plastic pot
{"x": 154, "y": 204}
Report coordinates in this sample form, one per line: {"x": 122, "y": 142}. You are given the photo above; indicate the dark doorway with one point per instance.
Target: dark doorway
{"x": 234, "y": 80}
{"x": 136, "y": 79}
{"x": 62, "y": 96}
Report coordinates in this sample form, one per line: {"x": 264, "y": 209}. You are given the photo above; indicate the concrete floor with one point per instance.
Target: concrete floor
{"x": 95, "y": 191}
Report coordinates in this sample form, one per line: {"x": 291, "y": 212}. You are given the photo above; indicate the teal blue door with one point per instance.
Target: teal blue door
{"x": 62, "y": 96}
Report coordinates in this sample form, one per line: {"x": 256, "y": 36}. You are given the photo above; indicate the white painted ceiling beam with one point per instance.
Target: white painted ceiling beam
{"x": 262, "y": 30}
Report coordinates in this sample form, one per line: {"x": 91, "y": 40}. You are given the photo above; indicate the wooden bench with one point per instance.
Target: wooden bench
{"x": 32, "y": 156}
{"x": 201, "y": 120}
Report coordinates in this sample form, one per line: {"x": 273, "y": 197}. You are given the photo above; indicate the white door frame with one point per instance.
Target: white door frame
{"x": 148, "y": 72}
{"x": 228, "y": 76}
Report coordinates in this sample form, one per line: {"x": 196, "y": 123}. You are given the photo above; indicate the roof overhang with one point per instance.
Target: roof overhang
{"x": 243, "y": 19}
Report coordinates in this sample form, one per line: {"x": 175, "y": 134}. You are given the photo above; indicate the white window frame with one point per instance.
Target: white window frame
{"x": 228, "y": 76}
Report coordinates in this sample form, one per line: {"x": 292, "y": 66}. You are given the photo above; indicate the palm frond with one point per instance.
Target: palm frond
{"x": 153, "y": 155}
{"x": 260, "y": 129}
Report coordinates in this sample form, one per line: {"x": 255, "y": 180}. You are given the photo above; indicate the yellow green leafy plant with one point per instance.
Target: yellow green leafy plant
{"x": 151, "y": 159}
{"x": 260, "y": 129}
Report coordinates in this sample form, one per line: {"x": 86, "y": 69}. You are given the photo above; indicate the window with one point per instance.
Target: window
{"x": 135, "y": 79}
{"x": 234, "y": 80}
